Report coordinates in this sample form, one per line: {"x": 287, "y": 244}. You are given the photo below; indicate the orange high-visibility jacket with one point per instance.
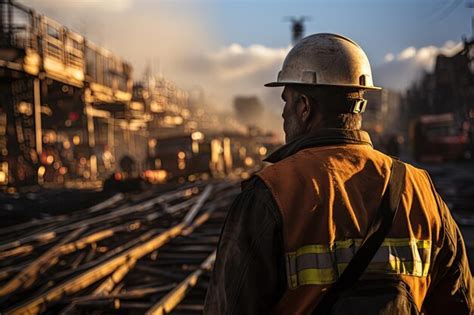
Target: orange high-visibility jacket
{"x": 328, "y": 194}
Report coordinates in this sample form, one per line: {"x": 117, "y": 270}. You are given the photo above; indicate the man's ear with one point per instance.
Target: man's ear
{"x": 304, "y": 109}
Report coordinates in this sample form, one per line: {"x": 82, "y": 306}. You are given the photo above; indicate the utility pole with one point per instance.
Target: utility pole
{"x": 297, "y": 27}
{"x": 471, "y": 6}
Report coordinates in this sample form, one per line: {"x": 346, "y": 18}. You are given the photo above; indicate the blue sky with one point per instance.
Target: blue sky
{"x": 381, "y": 26}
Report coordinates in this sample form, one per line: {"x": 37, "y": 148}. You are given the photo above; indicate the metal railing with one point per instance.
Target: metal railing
{"x": 22, "y": 28}
{"x": 17, "y": 26}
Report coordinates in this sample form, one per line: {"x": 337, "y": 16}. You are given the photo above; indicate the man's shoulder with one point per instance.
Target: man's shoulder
{"x": 418, "y": 175}
{"x": 256, "y": 195}
{"x": 286, "y": 166}
{"x": 410, "y": 166}
{"x": 414, "y": 172}
{"x": 253, "y": 184}
{"x": 255, "y": 187}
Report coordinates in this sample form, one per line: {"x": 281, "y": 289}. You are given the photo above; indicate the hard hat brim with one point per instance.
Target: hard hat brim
{"x": 278, "y": 84}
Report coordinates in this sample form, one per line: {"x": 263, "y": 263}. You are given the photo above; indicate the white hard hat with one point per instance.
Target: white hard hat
{"x": 326, "y": 59}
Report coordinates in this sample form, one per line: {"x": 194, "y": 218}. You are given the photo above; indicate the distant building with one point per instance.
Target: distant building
{"x": 449, "y": 89}
{"x": 453, "y": 85}
{"x": 447, "y": 92}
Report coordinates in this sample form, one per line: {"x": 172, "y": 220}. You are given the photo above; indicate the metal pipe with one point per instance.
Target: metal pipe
{"x": 84, "y": 280}
{"x": 37, "y": 106}
{"x": 169, "y": 301}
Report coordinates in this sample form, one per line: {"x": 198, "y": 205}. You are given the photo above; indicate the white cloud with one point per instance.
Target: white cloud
{"x": 389, "y": 57}
{"x": 426, "y": 56}
{"x": 400, "y": 70}
{"x": 234, "y": 62}
{"x": 241, "y": 70}
{"x": 407, "y": 53}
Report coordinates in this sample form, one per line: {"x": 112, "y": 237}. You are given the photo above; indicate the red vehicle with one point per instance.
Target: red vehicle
{"x": 438, "y": 138}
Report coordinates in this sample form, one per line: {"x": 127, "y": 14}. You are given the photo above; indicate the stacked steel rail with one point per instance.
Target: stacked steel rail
{"x": 130, "y": 254}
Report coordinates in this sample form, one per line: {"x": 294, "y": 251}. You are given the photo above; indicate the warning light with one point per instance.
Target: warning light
{"x": 76, "y": 140}
{"x": 74, "y": 116}
{"x": 41, "y": 171}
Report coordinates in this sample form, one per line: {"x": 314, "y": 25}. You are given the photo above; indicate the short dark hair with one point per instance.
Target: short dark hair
{"x": 334, "y": 104}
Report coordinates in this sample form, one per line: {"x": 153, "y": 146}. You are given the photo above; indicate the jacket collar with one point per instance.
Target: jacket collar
{"x": 323, "y": 137}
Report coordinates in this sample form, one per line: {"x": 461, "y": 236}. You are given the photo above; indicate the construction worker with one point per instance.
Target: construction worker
{"x": 332, "y": 203}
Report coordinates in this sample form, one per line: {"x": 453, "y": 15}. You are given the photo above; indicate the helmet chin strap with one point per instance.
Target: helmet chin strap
{"x": 358, "y": 106}
{"x": 358, "y": 103}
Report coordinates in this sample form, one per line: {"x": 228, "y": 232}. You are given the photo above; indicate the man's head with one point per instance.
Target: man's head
{"x": 325, "y": 76}
{"x": 309, "y": 108}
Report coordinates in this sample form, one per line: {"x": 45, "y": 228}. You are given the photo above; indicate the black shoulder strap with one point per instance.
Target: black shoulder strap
{"x": 377, "y": 232}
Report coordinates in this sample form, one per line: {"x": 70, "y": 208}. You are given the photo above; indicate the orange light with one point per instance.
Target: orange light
{"x": 155, "y": 176}
{"x": 152, "y": 143}
{"x": 118, "y": 176}
{"x": 76, "y": 140}
{"x": 50, "y": 159}
{"x": 248, "y": 161}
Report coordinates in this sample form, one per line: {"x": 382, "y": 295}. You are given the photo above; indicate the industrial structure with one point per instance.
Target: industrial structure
{"x": 71, "y": 113}
{"x": 438, "y": 111}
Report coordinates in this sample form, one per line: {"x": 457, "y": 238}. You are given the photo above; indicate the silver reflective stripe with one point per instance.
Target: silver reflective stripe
{"x": 319, "y": 261}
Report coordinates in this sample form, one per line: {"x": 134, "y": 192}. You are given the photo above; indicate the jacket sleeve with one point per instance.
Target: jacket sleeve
{"x": 249, "y": 275}
{"x": 453, "y": 287}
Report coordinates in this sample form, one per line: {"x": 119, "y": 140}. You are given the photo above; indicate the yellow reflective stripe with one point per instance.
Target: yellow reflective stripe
{"x": 406, "y": 242}
{"x": 417, "y": 269}
{"x": 316, "y": 276}
{"x": 328, "y": 276}
{"x": 312, "y": 249}
{"x": 425, "y": 269}
{"x": 341, "y": 268}
{"x": 404, "y": 256}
